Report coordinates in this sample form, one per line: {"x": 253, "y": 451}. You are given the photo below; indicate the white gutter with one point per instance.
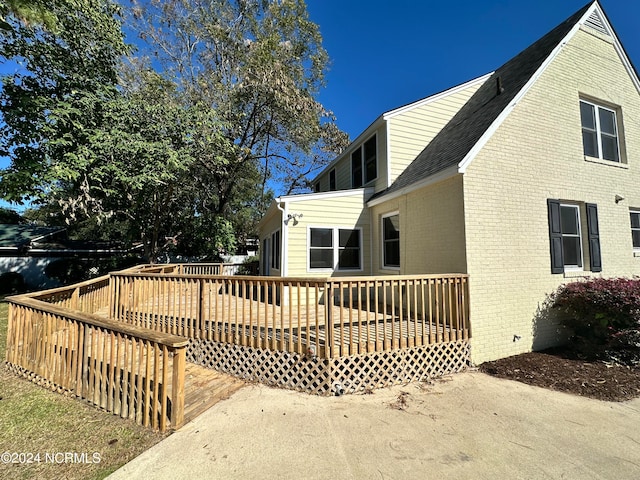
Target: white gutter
{"x": 284, "y": 263}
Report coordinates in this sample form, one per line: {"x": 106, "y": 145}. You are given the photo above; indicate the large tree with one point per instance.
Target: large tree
{"x": 259, "y": 64}
{"x": 53, "y": 100}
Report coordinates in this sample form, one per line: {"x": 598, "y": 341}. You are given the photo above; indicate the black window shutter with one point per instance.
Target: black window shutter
{"x": 594, "y": 237}
{"x": 555, "y": 236}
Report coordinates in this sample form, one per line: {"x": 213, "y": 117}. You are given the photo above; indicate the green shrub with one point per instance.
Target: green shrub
{"x": 602, "y": 313}
{"x": 251, "y": 266}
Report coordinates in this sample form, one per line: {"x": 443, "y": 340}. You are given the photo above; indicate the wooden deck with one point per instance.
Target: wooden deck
{"x": 249, "y": 322}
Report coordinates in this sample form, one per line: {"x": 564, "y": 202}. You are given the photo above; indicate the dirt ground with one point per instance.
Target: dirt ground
{"x": 565, "y": 371}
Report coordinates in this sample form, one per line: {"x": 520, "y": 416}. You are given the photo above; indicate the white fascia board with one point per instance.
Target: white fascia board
{"x": 36, "y": 239}
{"x": 303, "y": 197}
{"x": 469, "y": 157}
{"x": 436, "y": 177}
{"x": 388, "y": 148}
{"x": 268, "y": 214}
{"x": 617, "y": 44}
{"x": 436, "y": 97}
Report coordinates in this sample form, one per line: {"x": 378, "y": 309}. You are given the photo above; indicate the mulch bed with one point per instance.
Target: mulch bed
{"x": 563, "y": 370}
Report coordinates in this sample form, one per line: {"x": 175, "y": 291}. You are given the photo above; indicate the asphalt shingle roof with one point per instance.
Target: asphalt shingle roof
{"x": 458, "y": 137}
{"x": 19, "y": 235}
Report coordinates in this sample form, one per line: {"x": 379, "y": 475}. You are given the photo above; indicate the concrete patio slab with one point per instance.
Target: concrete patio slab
{"x": 467, "y": 426}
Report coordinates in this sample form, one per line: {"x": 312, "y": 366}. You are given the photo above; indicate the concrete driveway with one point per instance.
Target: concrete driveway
{"x": 468, "y": 426}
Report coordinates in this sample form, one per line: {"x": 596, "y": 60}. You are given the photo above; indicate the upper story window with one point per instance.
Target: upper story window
{"x": 316, "y": 187}
{"x": 599, "y": 131}
{"x": 332, "y": 180}
{"x": 364, "y": 163}
{"x": 635, "y": 228}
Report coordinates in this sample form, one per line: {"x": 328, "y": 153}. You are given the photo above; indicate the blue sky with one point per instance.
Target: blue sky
{"x": 385, "y": 54}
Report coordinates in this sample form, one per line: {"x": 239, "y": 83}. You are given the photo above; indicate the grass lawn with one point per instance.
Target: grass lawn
{"x": 44, "y": 426}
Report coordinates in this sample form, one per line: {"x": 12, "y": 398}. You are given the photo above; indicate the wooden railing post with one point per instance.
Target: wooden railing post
{"x": 177, "y": 389}
{"x": 75, "y": 296}
{"x": 328, "y": 306}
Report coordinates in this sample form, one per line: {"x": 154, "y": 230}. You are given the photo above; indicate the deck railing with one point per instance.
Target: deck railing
{"x": 311, "y": 316}
{"x": 127, "y": 370}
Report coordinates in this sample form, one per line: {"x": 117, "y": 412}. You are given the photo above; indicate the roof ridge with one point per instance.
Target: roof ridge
{"x": 452, "y": 144}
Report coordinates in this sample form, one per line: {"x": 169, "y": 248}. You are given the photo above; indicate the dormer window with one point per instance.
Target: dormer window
{"x": 599, "y": 132}
{"x": 364, "y": 163}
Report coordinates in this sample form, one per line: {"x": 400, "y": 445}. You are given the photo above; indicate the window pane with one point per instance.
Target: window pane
{"x": 321, "y": 237}
{"x": 569, "y": 220}
{"x": 349, "y": 238}
{"x": 609, "y": 148}
{"x": 571, "y": 250}
{"x": 587, "y": 114}
{"x": 371, "y": 167}
{"x": 356, "y": 168}
{"x": 590, "y": 143}
{"x": 349, "y": 259}
{"x": 321, "y": 258}
{"x": 332, "y": 180}
{"x": 607, "y": 121}
{"x": 636, "y": 238}
{"x": 392, "y": 253}
{"x": 392, "y": 227}
{"x": 635, "y": 220}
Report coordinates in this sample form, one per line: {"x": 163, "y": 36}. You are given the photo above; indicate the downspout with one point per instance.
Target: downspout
{"x": 284, "y": 240}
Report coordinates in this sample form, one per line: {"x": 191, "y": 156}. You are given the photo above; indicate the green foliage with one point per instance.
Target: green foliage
{"x": 260, "y": 66}
{"x": 180, "y": 159}
{"x": 602, "y": 313}
{"x": 28, "y": 12}
{"x": 11, "y": 217}
{"x": 251, "y": 266}
{"x": 50, "y": 105}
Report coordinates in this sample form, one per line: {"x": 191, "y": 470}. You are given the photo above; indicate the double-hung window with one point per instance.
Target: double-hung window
{"x": 391, "y": 241}
{"x": 335, "y": 249}
{"x": 571, "y": 237}
{"x": 571, "y": 241}
{"x": 364, "y": 163}
{"x": 635, "y": 228}
{"x": 599, "y": 131}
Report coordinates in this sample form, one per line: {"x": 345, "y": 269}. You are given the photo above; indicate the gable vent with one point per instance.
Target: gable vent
{"x": 595, "y": 21}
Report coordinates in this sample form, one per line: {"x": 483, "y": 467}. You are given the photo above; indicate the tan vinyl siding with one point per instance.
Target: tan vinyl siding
{"x": 537, "y": 154}
{"x": 412, "y": 130}
{"x": 343, "y": 211}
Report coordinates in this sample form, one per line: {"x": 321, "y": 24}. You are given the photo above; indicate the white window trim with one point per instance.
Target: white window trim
{"x": 636, "y": 211}
{"x": 363, "y": 163}
{"x": 600, "y": 158}
{"x": 575, "y": 268}
{"x": 335, "y": 231}
{"x": 382, "y": 264}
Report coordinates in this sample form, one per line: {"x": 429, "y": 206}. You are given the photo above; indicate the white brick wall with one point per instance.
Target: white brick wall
{"x": 535, "y": 155}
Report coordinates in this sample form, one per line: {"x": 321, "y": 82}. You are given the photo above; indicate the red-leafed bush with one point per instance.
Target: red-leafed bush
{"x": 603, "y": 313}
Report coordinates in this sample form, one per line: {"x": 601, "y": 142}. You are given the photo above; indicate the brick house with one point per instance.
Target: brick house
{"x": 525, "y": 178}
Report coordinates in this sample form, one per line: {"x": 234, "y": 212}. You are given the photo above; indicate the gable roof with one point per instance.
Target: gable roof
{"x": 456, "y": 144}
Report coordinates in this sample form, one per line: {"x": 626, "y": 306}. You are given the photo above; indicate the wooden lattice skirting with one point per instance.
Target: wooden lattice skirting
{"x": 37, "y": 379}
{"x": 348, "y": 374}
